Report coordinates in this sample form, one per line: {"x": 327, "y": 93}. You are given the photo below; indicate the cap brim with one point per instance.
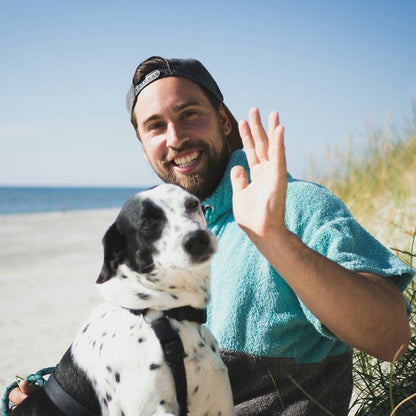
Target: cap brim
{"x": 234, "y": 137}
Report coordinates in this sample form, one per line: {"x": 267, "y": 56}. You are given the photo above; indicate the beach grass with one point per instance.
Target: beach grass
{"x": 377, "y": 182}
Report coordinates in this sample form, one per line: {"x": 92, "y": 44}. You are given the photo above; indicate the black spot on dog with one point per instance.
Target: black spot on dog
{"x": 154, "y": 366}
{"x": 117, "y": 377}
{"x": 140, "y": 340}
{"x": 140, "y": 243}
{"x": 162, "y": 402}
{"x": 152, "y": 279}
{"x": 195, "y": 390}
{"x": 173, "y": 296}
{"x": 143, "y": 296}
{"x": 114, "y": 243}
{"x": 123, "y": 276}
{"x": 109, "y": 369}
{"x": 108, "y": 397}
{"x": 85, "y": 329}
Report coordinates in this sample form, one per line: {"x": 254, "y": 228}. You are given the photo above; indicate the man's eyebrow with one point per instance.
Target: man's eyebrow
{"x": 176, "y": 108}
{"x": 180, "y": 107}
{"x": 150, "y": 119}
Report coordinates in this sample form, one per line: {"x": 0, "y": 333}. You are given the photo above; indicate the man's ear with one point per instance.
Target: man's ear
{"x": 225, "y": 121}
{"x": 114, "y": 244}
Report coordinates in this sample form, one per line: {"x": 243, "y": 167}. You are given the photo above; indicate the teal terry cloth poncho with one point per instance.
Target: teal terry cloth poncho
{"x": 252, "y": 309}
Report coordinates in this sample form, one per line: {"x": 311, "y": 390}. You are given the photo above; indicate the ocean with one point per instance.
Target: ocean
{"x": 21, "y": 200}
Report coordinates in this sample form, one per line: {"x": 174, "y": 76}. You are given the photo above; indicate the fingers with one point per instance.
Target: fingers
{"x": 20, "y": 393}
{"x": 260, "y": 137}
{"x": 239, "y": 178}
{"x": 248, "y": 142}
{"x": 273, "y": 122}
{"x": 277, "y": 150}
{"x": 257, "y": 144}
{"x": 17, "y": 396}
{"x": 254, "y": 137}
{"x": 27, "y": 387}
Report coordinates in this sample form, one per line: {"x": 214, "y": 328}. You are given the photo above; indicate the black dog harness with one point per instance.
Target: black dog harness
{"x": 173, "y": 352}
{"x": 173, "y": 348}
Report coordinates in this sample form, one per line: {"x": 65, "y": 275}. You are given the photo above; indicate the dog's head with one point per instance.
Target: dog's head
{"x": 158, "y": 249}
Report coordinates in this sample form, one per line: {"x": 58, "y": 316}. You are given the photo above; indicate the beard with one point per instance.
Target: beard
{"x": 204, "y": 182}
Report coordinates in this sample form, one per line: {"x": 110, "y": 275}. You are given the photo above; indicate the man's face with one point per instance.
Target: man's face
{"x": 183, "y": 136}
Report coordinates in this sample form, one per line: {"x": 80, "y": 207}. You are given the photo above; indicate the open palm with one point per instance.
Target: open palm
{"x": 259, "y": 206}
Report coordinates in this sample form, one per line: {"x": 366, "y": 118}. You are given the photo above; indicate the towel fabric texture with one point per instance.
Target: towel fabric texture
{"x": 253, "y": 311}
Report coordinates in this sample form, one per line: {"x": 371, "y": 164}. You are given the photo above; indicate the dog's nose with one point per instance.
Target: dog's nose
{"x": 198, "y": 244}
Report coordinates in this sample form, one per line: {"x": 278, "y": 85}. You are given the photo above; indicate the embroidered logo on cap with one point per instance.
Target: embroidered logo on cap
{"x": 149, "y": 78}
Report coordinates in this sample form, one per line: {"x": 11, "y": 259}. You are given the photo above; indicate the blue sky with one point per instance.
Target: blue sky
{"x": 329, "y": 67}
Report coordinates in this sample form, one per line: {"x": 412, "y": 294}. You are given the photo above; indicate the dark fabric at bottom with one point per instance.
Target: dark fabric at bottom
{"x": 261, "y": 385}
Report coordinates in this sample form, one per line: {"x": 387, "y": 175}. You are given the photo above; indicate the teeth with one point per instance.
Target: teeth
{"x": 185, "y": 161}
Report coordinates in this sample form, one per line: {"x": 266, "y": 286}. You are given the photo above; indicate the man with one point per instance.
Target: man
{"x": 296, "y": 282}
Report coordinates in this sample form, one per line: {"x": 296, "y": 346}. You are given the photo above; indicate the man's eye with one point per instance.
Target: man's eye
{"x": 189, "y": 113}
{"x": 155, "y": 126}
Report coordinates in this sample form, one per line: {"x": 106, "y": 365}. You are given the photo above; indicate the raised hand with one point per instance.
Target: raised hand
{"x": 259, "y": 206}
{"x": 363, "y": 310}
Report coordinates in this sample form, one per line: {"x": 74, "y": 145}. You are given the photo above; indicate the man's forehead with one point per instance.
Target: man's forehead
{"x": 172, "y": 93}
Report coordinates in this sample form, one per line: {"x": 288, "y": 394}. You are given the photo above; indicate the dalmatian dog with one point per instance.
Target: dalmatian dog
{"x": 156, "y": 269}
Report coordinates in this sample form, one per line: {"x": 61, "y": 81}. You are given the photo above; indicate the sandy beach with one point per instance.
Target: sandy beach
{"x": 48, "y": 266}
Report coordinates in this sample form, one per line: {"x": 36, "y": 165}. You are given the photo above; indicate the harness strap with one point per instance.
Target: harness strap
{"x": 174, "y": 354}
{"x": 63, "y": 400}
{"x": 183, "y": 313}
{"x": 172, "y": 349}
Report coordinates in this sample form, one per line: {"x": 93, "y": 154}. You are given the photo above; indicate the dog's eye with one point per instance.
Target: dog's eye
{"x": 150, "y": 223}
{"x": 192, "y": 204}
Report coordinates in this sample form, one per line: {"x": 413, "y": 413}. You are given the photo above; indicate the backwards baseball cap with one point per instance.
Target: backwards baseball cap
{"x": 192, "y": 70}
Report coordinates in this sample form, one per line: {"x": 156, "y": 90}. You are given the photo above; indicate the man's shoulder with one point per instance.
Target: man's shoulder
{"x": 310, "y": 195}
{"x": 310, "y": 206}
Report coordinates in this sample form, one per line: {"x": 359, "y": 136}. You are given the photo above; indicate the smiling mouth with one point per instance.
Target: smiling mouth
{"x": 187, "y": 160}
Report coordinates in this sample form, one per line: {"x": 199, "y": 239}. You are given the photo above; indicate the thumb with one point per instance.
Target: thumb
{"x": 26, "y": 387}
{"x": 239, "y": 180}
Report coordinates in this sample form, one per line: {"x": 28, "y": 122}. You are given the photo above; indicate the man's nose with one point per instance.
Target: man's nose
{"x": 174, "y": 135}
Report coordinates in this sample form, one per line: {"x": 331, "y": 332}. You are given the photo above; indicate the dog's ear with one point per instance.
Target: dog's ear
{"x": 114, "y": 244}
